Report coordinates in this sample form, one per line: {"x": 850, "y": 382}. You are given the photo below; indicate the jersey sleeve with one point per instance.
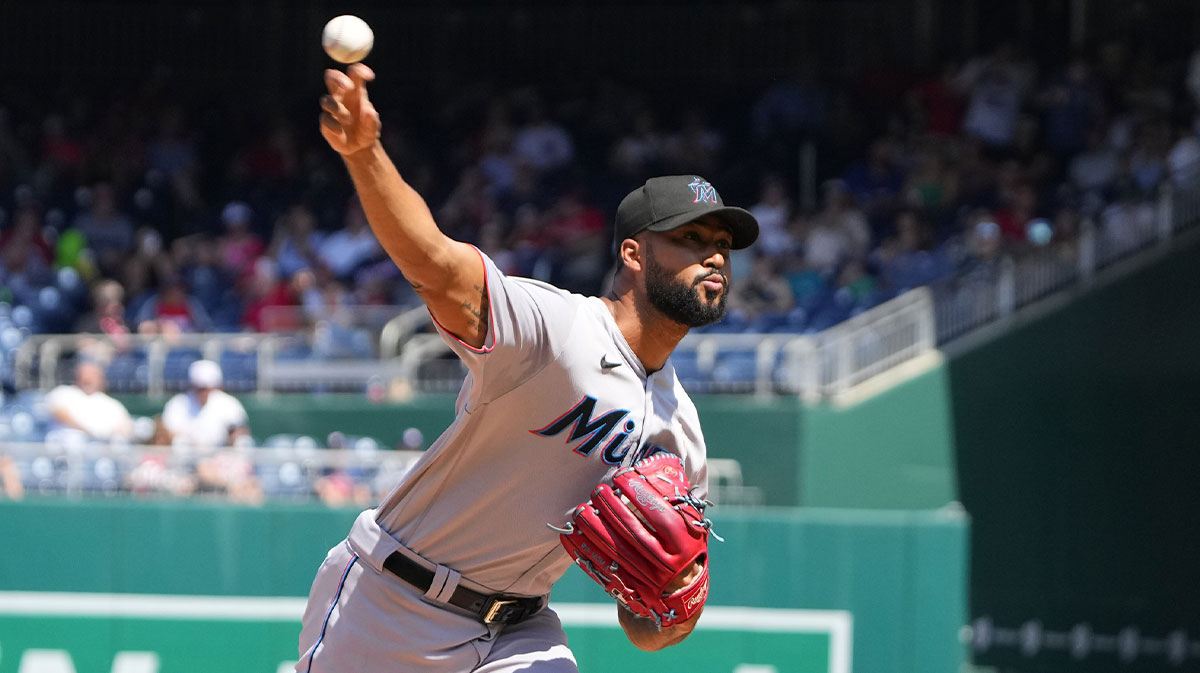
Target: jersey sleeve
{"x": 526, "y": 321}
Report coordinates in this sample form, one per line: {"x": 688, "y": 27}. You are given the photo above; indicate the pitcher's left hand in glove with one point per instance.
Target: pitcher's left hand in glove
{"x": 638, "y": 535}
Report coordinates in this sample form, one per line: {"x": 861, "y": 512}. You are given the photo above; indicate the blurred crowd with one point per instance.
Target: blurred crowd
{"x": 146, "y": 210}
{"x": 76, "y": 440}
{"x": 151, "y": 209}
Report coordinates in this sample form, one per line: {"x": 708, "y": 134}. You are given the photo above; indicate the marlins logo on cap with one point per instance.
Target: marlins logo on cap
{"x": 670, "y": 201}
{"x": 703, "y": 190}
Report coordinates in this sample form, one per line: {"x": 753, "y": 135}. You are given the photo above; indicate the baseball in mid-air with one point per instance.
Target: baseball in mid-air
{"x": 347, "y": 39}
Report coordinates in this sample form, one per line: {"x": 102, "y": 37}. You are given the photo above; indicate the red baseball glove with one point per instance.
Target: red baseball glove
{"x": 637, "y": 535}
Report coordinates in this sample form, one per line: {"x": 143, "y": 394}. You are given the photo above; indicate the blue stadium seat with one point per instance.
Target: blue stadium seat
{"x": 294, "y": 350}
{"x": 794, "y": 322}
{"x": 735, "y": 368}
{"x": 733, "y": 323}
{"x": 768, "y": 322}
{"x": 827, "y": 317}
{"x": 175, "y": 367}
{"x": 227, "y": 314}
{"x": 207, "y": 287}
{"x": 687, "y": 368}
{"x": 240, "y": 370}
{"x": 128, "y": 371}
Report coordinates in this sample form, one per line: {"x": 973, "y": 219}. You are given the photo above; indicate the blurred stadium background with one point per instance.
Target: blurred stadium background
{"x": 952, "y": 419}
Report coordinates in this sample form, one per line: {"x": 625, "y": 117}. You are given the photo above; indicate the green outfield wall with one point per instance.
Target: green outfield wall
{"x": 153, "y": 587}
{"x": 1077, "y": 452}
{"x": 892, "y": 450}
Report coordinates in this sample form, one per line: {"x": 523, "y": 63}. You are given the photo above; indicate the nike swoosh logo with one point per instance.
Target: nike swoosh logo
{"x": 605, "y": 364}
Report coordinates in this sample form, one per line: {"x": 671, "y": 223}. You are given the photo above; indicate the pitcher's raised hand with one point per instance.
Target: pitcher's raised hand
{"x": 349, "y": 122}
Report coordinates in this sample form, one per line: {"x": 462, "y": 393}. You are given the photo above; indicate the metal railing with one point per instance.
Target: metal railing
{"x": 335, "y": 351}
{"x": 371, "y": 317}
{"x": 1001, "y": 286}
{"x": 765, "y": 364}
{"x": 815, "y": 366}
{"x": 871, "y": 343}
{"x": 44, "y": 360}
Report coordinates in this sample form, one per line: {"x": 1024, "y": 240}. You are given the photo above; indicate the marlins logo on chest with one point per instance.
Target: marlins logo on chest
{"x": 591, "y": 430}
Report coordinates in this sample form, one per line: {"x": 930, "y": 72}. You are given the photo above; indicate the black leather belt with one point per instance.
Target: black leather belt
{"x": 490, "y": 609}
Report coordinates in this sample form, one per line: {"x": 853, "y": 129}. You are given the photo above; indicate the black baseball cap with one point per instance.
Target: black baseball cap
{"x": 670, "y": 201}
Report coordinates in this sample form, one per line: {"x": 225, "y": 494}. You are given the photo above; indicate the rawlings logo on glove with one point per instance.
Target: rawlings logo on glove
{"x": 639, "y": 534}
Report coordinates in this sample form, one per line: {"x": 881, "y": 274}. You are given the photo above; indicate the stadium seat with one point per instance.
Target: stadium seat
{"x": 732, "y": 324}
{"x": 240, "y": 370}
{"x": 128, "y": 371}
{"x": 687, "y": 367}
{"x": 768, "y": 322}
{"x": 735, "y": 369}
{"x": 175, "y": 367}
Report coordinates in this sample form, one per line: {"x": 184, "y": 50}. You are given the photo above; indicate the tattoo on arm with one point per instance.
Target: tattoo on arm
{"x": 479, "y": 322}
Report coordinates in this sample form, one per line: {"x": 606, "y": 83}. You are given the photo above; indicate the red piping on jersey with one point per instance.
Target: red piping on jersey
{"x": 495, "y": 330}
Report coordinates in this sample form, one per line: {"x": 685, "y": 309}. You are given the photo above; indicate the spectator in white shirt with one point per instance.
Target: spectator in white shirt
{"x": 204, "y": 416}
{"x": 85, "y": 406}
{"x": 773, "y": 211}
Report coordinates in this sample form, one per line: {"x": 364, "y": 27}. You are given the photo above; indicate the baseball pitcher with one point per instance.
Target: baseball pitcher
{"x": 573, "y": 441}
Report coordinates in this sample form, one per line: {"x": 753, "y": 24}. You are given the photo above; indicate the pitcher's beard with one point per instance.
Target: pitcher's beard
{"x": 679, "y": 301}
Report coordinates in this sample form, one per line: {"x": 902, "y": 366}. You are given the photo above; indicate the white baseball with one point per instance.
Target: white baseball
{"x": 347, "y": 39}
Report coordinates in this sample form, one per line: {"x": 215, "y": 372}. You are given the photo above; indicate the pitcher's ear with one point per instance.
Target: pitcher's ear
{"x": 632, "y": 254}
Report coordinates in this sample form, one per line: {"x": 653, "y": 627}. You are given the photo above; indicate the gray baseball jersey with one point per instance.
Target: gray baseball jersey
{"x": 554, "y": 402}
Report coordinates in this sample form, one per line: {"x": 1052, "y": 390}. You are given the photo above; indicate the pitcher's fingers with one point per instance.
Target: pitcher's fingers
{"x": 331, "y": 128}
{"x": 337, "y": 81}
{"x": 355, "y": 97}
{"x": 333, "y": 108}
{"x": 360, "y": 73}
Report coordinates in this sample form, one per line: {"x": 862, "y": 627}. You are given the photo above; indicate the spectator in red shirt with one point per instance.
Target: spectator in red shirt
{"x": 267, "y": 291}
{"x": 26, "y": 231}
{"x": 172, "y": 310}
{"x": 239, "y": 246}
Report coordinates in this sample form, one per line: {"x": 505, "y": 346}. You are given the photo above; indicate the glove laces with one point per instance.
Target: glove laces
{"x": 699, "y": 504}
